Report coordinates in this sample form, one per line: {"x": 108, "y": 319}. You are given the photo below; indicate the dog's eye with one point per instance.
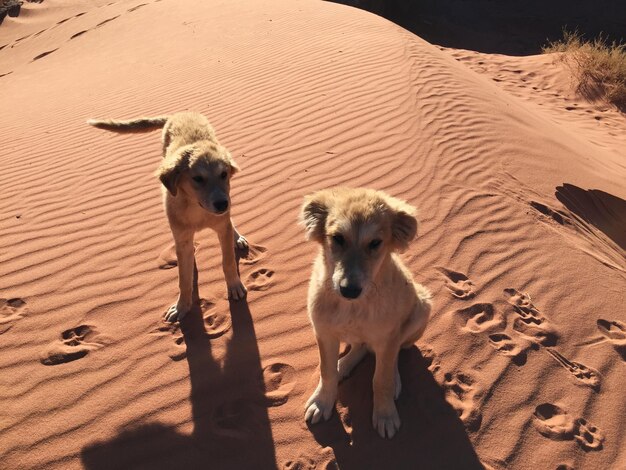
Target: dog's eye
{"x": 339, "y": 240}
{"x": 223, "y": 175}
{"x": 375, "y": 243}
{"x": 198, "y": 179}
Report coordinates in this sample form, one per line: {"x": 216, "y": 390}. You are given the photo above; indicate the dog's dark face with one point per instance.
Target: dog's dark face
{"x": 202, "y": 173}
{"x": 358, "y": 229}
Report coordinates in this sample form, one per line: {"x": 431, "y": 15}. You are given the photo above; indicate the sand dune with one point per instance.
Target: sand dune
{"x": 522, "y": 208}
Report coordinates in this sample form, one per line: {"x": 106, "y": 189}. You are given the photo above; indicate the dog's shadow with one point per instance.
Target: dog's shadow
{"x": 431, "y": 436}
{"x": 231, "y": 428}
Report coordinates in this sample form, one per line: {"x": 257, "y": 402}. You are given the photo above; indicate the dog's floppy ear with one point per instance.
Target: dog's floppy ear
{"x": 403, "y": 224}
{"x": 234, "y": 168}
{"x": 313, "y": 215}
{"x": 171, "y": 168}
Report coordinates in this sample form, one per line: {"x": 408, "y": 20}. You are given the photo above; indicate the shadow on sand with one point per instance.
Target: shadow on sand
{"x": 604, "y": 211}
{"x": 229, "y": 409}
{"x": 431, "y": 437}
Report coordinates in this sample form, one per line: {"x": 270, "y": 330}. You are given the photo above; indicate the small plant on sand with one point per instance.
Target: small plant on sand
{"x": 599, "y": 66}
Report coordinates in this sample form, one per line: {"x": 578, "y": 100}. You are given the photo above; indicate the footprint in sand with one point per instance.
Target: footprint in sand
{"x": 506, "y": 345}
{"x": 307, "y": 463}
{"x": 583, "y": 374}
{"x": 588, "y": 436}
{"x": 253, "y": 254}
{"x": 458, "y": 284}
{"x": 615, "y": 333}
{"x": 461, "y": 393}
{"x": 539, "y": 332}
{"x": 10, "y": 311}
{"x": 279, "y": 380}
{"x": 480, "y": 318}
{"x": 216, "y": 322}
{"x": 180, "y": 351}
{"x": 261, "y": 279}
{"x": 555, "y": 423}
{"x": 74, "y": 344}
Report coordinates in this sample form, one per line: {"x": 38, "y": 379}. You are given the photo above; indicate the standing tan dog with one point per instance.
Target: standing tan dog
{"x": 195, "y": 172}
{"x": 361, "y": 293}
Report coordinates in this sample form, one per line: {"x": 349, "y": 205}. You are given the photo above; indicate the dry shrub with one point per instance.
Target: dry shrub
{"x": 599, "y": 66}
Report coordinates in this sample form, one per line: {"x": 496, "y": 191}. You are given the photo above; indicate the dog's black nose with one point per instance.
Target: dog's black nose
{"x": 221, "y": 206}
{"x": 350, "y": 291}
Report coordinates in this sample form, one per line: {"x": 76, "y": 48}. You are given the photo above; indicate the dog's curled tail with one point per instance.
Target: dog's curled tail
{"x": 130, "y": 125}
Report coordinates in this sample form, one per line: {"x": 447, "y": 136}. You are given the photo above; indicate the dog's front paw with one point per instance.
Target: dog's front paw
{"x": 241, "y": 242}
{"x": 319, "y": 407}
{"x": 176, "y": 312}
{"x": 236, "y": 290}
{"x": 386, "y": 421}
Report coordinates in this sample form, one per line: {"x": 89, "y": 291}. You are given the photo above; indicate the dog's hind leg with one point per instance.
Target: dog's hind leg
{"x": 349, "y": 361}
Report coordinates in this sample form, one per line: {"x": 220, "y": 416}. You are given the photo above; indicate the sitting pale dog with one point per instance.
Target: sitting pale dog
{"x": 362, "y": 294}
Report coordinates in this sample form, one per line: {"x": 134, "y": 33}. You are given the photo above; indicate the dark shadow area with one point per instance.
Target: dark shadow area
{"x": 509, "y": 27}
{"x": 602, "y": 210}
{"x": 431, "y": 436}
{"x": 229, "y": 409}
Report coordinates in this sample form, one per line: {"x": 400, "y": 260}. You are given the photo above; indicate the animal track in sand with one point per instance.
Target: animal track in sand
{"x": 480, "y": 318}
{"x": 10, "y": 311}
{"x": 506, "y": 345}
{"x": 615, "y": 333}
{"x": 216, "y": 322}
{"x": 588, "y": 436}
{"x": 461, "y": 393}
{"x": 180, "y": 351}
{"x": 253, "y": 254}
{"x": 583, "y": 374}
{"x": 261, "y": 279}
{"x": 74, "y": 344}
{"x": 555, "y": 423}
{"x": 458, "y": 284}
{"x": 538, "y": 331}
{"x": 279, "y": 380}
{"x": 552, "y": 421}
{"x": 307, "y": 463}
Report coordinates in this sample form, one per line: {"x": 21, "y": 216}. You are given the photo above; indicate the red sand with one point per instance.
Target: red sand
{"x": 517, "y": 194}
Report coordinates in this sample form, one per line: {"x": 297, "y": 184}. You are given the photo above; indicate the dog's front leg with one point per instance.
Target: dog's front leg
{"x": 236, "y": 289}
{"x": 385, "y": 416}
{"x": 185, "y": 255}
{"x": 321, "y": 404}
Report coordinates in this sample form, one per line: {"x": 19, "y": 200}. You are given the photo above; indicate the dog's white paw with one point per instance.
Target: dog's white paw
{"x": 319, "y": 407}
{"x": 386, "y": 421}
{"x": 176, "y": 313}
{"x": 236, "y": 290}
{"x": 241, "y": 242}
